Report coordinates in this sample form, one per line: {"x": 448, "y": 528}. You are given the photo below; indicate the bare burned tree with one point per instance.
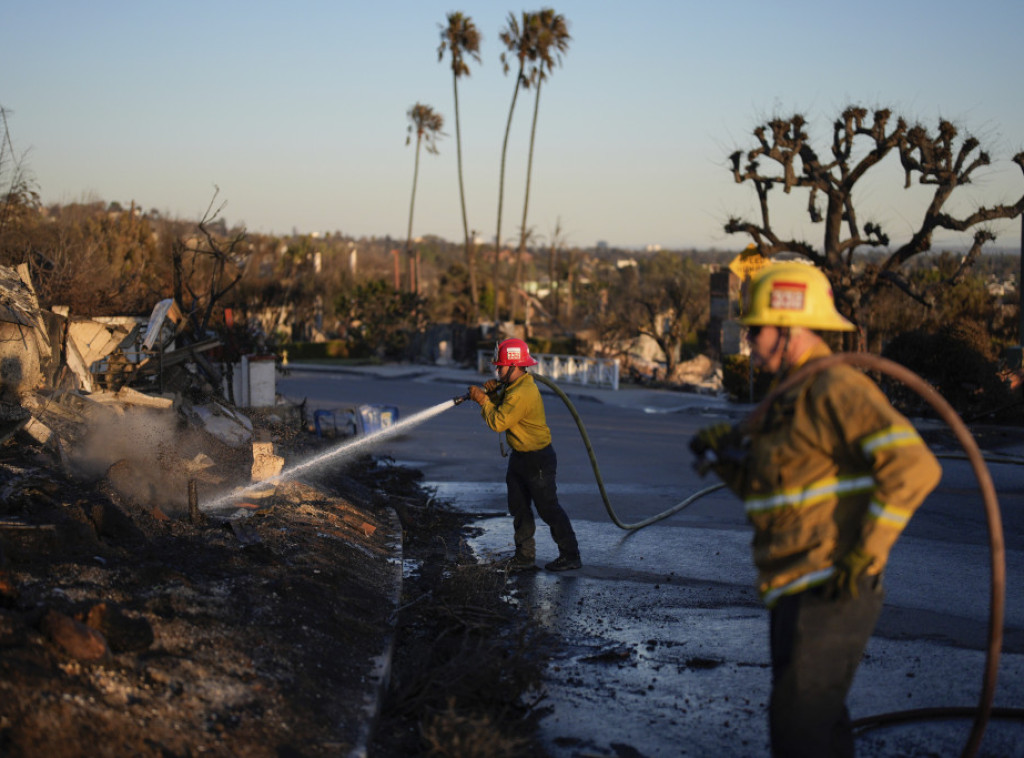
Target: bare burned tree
{"x": 664, "y": 297}
{"x": 860, "y": 142}
{"x": 19, "y": 200}
{"x": 205, "y": 268}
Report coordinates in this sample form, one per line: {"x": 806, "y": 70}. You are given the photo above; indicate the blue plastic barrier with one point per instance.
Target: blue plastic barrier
{"x": 374, "y": 418}
{"x": 317, "y": 415}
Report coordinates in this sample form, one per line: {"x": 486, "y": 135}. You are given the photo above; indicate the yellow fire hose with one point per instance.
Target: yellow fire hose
{"x": 984, "y": 710}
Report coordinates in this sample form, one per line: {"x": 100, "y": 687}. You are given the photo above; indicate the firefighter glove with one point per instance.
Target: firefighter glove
{"x": 490, "y": 386}
{"x": 713, "y": 438}
{"x": 849, "y": 569}
{"x": 477, "y": 395}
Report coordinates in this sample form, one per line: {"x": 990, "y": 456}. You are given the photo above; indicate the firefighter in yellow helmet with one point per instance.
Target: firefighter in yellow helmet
{"x": 829, "y": 479}
{"x": 512, "y": 404}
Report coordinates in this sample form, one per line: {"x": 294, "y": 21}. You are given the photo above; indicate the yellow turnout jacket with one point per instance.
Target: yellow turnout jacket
{"x": 520, "y": 414}
{"x": 832, "y": 466}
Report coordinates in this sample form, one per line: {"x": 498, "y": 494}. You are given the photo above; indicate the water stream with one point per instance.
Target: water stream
{"x": 347, "y": 448}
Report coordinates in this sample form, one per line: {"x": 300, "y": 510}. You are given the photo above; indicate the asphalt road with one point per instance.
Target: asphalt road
{"x": 664, "y": 639}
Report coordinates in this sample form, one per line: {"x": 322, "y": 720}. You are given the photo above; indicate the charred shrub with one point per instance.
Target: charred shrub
{"x": 958, "y": 360}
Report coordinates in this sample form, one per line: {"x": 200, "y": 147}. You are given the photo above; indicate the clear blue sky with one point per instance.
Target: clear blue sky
{"x": 297, "y": 110}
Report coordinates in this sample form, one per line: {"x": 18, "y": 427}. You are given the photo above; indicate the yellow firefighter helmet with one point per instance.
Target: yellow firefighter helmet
{"x": 793, "y": 294}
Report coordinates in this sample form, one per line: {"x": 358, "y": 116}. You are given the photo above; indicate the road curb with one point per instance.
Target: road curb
{"x": 379, "y": 678}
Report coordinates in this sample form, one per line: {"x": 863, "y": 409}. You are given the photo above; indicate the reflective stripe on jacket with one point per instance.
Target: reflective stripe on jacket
{"x": 520, "y": 414}
{"x": 832, "y": 466}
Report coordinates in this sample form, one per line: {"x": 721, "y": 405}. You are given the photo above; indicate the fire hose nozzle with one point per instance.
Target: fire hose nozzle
{"x": 460, "y": 399}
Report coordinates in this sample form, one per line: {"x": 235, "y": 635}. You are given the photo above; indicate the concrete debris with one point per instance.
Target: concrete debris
{"x": 24, "y": 342}
{"x": 38, "y": 431}
{"x": 198, "y": 464}
{"x": 118, "y": 396}
{"x": 90, "y": 342}
{"x": 95, "y": 339}
{"x": 128, "y": 396}
{"x": 700, "y": 374}
{"x": 226, "y": 424}
{"x": 165, "y": 310}
{"x": 265, "y": 464}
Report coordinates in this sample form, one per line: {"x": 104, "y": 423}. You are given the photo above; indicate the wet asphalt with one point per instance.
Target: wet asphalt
{"x": 664, "y": 641}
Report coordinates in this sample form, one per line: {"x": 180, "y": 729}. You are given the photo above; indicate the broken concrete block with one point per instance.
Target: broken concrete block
{"x": 38, "y": 431}
{"x": 265, "y": 464}
{"x": 95, "y": 339}
{"x": 228, "y": 426}
{"x": 20, "y": 371}
{"x": 133, "y": 397}
{"x": 78, "y": 367}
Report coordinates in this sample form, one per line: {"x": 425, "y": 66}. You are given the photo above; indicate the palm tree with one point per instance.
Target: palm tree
{"x": 427, "y": 126}
{"x": 461, "y": 37}
{"x": 549, "y": 41}
{"x": 519, "y": 41}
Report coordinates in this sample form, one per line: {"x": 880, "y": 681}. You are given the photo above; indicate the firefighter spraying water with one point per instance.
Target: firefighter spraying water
{"x": 512, "y": 404}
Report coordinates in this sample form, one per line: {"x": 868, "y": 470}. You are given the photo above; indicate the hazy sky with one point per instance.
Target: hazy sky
{"x": 297, "y": 110}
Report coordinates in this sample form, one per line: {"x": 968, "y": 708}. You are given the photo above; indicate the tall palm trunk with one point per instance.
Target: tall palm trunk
{"x": 570, "y": 281}
{"x": 501, "y": 191}
{"x": 526, "y": 202}
{"x": 552, "y": 262}
{"x": 412, "y": 204}
{"x": 474, "y": 295}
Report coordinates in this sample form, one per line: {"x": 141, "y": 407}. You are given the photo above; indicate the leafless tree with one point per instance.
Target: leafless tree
{"x": 943, "y": 160}
{"x": 664, "y": 297}
{"x": 206, "y": 267}
{"x": 18, "y": 197}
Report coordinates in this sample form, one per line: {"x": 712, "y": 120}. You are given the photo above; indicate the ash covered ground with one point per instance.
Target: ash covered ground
{"x": 134, "y": 625}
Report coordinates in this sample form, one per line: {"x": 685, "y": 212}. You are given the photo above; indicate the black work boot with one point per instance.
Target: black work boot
{"x": 565, "y": 563}
{"x": 520, "y": 562}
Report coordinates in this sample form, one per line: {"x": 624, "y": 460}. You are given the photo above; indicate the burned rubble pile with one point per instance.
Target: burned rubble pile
{"x": 135, "y": 619}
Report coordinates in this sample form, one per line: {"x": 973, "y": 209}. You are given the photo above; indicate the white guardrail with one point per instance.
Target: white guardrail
{"x": 573, "y": 369}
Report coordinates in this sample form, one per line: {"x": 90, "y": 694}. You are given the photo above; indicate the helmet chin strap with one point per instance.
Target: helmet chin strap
{"x": 504, "y": 372}
{"x": 785, "y": 333}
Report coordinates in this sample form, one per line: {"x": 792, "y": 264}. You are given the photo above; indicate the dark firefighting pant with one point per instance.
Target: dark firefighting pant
{"x": 816, "y": 645}
{"x": 531, "y": 479}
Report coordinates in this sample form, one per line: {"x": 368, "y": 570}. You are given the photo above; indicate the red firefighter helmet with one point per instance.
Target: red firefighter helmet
{"x": 513, "y": 352}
